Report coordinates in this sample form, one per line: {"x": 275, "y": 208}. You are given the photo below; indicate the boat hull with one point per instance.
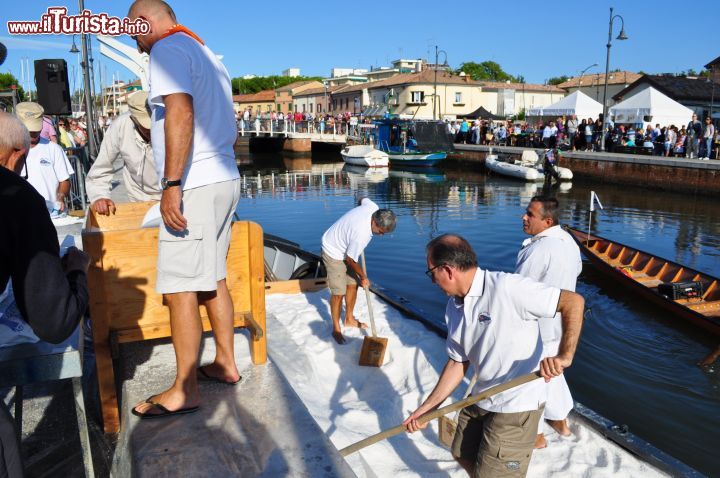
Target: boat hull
{"x": 416, "y": 159}
{"x": 512, "y": 170}
{"x": 363, "y": 155}
{"x": 630, "y": 272}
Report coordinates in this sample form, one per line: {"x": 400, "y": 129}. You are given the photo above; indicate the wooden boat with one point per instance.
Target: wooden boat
{"x": 689, "y": 294}
{"x": 412, "y": 142}
{"x": 364, "y": 155}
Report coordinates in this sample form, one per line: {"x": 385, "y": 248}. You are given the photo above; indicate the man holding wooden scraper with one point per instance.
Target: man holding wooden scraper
{"x": 492, "y": 325}
{"x": 342, "y": 245}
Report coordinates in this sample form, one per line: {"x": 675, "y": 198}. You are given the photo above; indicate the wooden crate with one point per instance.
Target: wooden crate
{"x": 124, "y": 306}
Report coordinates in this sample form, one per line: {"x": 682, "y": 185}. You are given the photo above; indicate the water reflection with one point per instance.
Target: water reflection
{"x": 634, "y": 365}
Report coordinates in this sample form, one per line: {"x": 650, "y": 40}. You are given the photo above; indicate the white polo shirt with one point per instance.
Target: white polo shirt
{"x": 350, "y": 234}
{"x": 553, "y": 258}
{"x": 46, "y": 167}
{"x": 180, "y": 64}
{"x": 495, "y": 328}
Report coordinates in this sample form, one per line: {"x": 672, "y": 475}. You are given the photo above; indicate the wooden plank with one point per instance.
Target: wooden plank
{"x": 634, "y": 259}
{"x": 710, "y": 289}
{"x": 258, "y": 346}
{"x": 678, "y": 274}
{"x": 101, "y": 336}
{"x": 295, "y": 286}
{"x": 162, "y": 329}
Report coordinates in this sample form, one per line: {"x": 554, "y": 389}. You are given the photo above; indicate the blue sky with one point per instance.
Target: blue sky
{"x": 536, "y": 39}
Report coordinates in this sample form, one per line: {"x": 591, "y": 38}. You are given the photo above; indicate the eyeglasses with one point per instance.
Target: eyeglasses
{"x": 430, "y": 271}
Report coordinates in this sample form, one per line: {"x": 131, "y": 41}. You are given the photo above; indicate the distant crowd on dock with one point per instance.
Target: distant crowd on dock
{"x": 695, "y": 140}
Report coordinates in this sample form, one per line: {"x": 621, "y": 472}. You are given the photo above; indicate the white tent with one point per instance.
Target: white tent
{"x": 649, "y": 106}
{"x": 578, "y": 103}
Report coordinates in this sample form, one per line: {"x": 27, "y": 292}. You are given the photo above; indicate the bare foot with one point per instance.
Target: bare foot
{"x": 338, "y": 336}
{"x": 172, "y": 400}
{"x": 540, "y": 441}
{"x": 561, "y": 427}
{"x": 217, "y": 372}
{"x": 351, "y": 322}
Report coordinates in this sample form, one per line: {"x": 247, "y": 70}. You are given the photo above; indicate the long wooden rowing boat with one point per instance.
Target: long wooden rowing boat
{"x": 685, "y": 292}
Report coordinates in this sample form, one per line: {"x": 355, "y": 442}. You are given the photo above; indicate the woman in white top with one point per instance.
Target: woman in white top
{"x": 708, "y": 135}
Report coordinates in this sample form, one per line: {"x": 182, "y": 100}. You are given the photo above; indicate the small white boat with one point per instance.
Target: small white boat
{"x": 365, "y": 155}
{"x": 527, "y": 168}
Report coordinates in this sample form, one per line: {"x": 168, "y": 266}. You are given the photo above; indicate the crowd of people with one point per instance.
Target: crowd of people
{"x": 295, "y": 121}
{"x": 695, "y": 140}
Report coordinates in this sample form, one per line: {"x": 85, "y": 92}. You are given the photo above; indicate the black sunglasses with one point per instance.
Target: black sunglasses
{"x": 429, "y": 272}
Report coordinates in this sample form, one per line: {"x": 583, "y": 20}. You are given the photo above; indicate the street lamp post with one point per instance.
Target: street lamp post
{"x": 621, "y": 36}
{"x": 583, "y": 73}
{"x": 437, "y": 53}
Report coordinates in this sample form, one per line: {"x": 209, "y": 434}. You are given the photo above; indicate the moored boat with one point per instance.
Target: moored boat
{"x": 685, "y": 292}
{"x": 364, "y": 155}
{"x": 527, "y": 168}
{"x": 412, "y": 142}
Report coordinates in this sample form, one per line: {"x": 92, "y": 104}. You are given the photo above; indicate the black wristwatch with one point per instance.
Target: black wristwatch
{"x": 165, "y": 183}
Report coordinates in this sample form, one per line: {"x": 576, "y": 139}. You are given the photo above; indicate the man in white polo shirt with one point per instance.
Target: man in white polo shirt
{"x": 552, "y": 257}
{"x": 193, "y": 133}
{"x": 492, "y": 326}
{"x": 342, "y": 245}
{"x": 46, "y": 168}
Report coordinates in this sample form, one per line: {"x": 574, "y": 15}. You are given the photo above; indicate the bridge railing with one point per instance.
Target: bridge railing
{"x": 287, "y": 127}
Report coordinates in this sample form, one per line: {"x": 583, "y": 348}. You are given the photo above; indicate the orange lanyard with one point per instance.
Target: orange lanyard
{"x": 183, "y": 29}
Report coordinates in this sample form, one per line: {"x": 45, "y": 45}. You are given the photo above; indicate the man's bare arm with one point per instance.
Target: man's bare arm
{"x": 179, "y": 121}
{"x": 450, "y": 378}
{"x": 571, "y": 306}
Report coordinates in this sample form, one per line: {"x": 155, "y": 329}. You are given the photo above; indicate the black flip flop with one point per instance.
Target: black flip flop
{"x": 338, "y": 336}
{"x": 165, "y": 411}
{"x": 204, "y": 376}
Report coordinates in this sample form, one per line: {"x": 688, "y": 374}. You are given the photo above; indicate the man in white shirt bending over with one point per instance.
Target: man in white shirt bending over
{"x": 46, "y": 168}
{"x": 193, "y": 133}
{"x": 552, "y": 257}
{"x": 127, "y": 142}
{"x": 342, "y": 245}
{"x": 492, "y": 326}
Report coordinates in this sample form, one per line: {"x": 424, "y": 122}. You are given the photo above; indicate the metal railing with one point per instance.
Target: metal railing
{"x": 81, "y": 164}
{"x": 288, "y": 127}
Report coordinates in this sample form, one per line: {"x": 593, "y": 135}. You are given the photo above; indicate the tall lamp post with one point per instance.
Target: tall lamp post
{"x": 621, "y": 36}
{"x": 583, "y": 73}
{"x": 445, "y": 64}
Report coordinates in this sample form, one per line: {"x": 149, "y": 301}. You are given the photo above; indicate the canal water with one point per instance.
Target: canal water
{"x": 635, "y": 364}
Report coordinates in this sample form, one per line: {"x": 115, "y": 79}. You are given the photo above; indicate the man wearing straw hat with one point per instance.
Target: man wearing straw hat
{"x": 127, "y": 140}
{"x": 492, "y": 325}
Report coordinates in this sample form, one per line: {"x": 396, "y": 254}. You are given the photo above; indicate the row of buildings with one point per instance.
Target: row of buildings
{"x": 424, "y": 91}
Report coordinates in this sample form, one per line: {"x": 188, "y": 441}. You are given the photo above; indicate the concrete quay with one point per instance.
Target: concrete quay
{"x": 654, "y": 172}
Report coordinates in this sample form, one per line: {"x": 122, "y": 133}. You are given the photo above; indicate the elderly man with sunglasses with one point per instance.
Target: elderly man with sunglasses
{"x": 492, "y": 320}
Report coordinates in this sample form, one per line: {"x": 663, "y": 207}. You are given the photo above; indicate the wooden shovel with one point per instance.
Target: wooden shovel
{"x": 390, "y": 432}
{"x": 372, "y": 353}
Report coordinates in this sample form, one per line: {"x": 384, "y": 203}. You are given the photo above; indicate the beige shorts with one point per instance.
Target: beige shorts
{"x": 339, "y": 275}
{"x": 194, "y": 260}
{"x": 500, "y": 444}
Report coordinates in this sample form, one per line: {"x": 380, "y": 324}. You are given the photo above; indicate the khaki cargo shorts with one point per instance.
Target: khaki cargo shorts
{"x": 339, "y": 275}
{"x": 195, "y": 259}
{"x": 500, "y": 444}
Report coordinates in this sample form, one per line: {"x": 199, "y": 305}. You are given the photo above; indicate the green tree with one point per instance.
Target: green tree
{"x": 7, "y": 80}
{"x": 243, "y": 86}
{"x": 556, "y": 80}
{"x": 487, "y": 70}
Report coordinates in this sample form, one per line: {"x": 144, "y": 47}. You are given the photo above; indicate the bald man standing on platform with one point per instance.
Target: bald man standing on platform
{"x": 193, "y": 132}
